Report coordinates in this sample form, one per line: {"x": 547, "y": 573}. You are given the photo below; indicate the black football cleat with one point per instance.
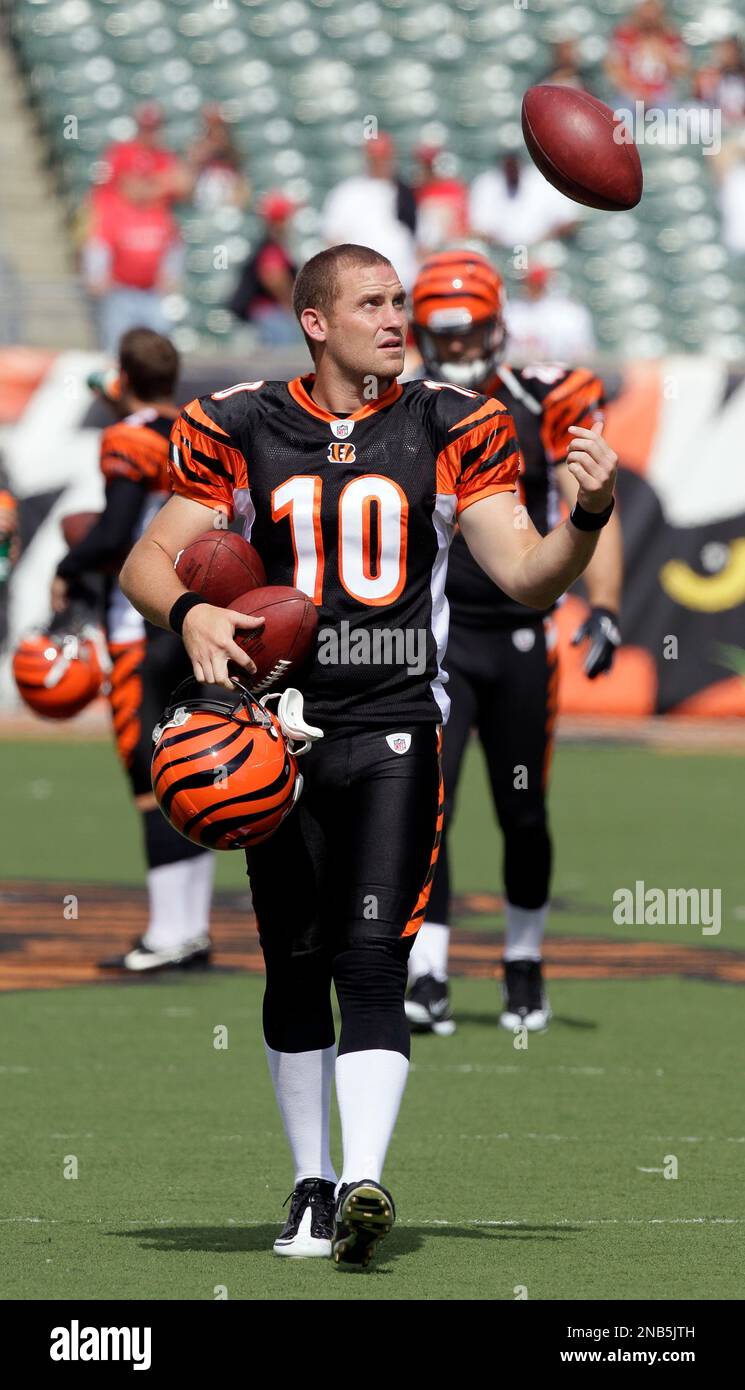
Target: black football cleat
{"x": 143, "y": 960}
{"x": 525, "y": 1002}
{"x": 309, "y": 1228}
{"x": 365, "y": 1213}
{"x": 427, "y": 1007}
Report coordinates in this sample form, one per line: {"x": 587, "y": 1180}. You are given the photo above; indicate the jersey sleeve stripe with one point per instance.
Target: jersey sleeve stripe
{"x": 477, "y": 460}
{"x": 195, "y": 426}
{"x": 486, "y": 411}
{"x": 180, "y": 467}
{"x": 208, "y": 449}
{"x": 210, "y": 461}
{"x": 199, "y": 417}
{"x": 453, "y": 462}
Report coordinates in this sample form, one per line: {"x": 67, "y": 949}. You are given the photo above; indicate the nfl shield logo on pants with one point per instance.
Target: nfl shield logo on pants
{"x": 399, "y": 743}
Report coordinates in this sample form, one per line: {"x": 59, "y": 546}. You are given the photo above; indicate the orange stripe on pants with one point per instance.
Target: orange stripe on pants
{"x": 417, "y": 916}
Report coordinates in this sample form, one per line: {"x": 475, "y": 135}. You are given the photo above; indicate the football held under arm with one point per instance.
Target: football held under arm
{"x": 532, "y": 569}
{"x": 200, "y": 472}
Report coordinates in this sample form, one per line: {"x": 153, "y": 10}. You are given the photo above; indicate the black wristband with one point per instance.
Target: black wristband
{"x": 184, "y": 603}
{"x": 590, "y": 521}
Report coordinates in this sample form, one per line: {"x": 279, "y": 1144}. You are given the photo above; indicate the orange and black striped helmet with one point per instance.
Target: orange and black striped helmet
{"x": 222, "y": 771}
{"x": 59, "y": 672}
{"x": 459, "y": 294}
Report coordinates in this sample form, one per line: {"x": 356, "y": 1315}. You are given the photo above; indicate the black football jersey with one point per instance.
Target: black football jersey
{"x": 357, "y": 512}
{"x": 544, "y": 401}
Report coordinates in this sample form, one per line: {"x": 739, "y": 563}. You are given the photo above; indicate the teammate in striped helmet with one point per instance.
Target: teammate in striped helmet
{"x": 502, "y": 657}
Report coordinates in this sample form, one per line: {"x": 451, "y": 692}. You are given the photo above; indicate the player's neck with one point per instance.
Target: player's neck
{"x": 167, "y": 408}
{"x": 342, "y": 395}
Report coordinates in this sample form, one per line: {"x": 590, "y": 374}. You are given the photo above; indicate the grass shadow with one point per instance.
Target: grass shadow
{"x": 242, "y": 1240}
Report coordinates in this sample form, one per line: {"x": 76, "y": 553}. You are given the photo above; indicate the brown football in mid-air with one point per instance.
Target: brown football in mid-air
{"x": 219, "y": 566}
{"x": 284, "y": 644}
{"x": 581, "y": 148}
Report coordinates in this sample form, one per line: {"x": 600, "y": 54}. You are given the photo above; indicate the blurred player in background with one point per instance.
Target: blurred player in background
{"x": 147, "y": 662}
{"x": 501, "y": 656}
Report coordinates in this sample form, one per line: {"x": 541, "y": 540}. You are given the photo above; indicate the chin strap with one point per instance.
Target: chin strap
{"x": 290, "y": 715}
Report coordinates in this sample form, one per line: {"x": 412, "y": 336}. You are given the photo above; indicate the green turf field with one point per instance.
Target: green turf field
{"x": 537, "y": 1169}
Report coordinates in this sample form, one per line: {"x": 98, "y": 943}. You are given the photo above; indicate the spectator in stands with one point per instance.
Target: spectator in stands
{"x": 142, "y": 171}
{"x": 722, "y": 84}
{"x": 565, "y": 69}
{"x": 441, "y": 199}
{"x": 544, "y": 326}
{"x": 132, "y": 258}
{"x": 263, "y": 295}
{"x": 513, "y": 205}
{"x": 375, "y": 209}
{"x": 132, "y": 255}
{"x": 729, "y": 167}
{"x": 216, "y": 165}
{"x": 647, "y": 57}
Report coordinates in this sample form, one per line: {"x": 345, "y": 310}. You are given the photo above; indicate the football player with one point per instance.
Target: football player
{"x": 147, "y": 663}
{"x": 501, "y": 657}
{"x": 349, "y": 485}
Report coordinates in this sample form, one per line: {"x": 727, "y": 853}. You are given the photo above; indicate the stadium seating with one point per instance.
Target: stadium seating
{"x": 296, "y": 78}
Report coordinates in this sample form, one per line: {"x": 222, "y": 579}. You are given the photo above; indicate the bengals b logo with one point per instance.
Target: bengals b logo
{"x": 342, "y": 453}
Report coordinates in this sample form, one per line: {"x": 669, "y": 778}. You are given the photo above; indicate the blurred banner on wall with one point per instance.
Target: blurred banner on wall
{"x": 678, "y": 426}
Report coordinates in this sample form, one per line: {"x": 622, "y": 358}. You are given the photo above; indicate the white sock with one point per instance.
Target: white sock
{"x": 429, "y": 954}
{"x": 302, "y": 1085}
{"x": 201, "y": 881}
{"x": 369, "y": 1087}
{"x": 179, "y": 897}
{"x": 524, "y": 931}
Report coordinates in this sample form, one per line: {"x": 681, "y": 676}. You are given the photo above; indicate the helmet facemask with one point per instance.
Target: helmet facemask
{"x": 456, "y": 325}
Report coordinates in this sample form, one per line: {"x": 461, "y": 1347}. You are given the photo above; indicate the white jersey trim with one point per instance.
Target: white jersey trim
{"x": 443, "y": 519}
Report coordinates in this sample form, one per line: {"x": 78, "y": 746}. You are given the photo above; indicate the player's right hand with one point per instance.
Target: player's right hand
{"x": 208, "y": 634}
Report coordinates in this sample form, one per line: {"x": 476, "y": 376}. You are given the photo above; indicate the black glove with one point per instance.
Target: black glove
{"x": 601, "y": 627}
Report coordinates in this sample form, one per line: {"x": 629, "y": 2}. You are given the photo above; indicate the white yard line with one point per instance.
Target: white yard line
{"x": 566, "y": 1221}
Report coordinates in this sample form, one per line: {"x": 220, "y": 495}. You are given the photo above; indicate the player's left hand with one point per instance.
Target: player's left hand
{"x": 601, "y": 629}
{"x": 592, "y": 462}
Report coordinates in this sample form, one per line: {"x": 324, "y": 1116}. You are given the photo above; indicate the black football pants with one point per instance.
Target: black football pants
{"x": 503, "y": 684}
{"x": 341, "y": 888}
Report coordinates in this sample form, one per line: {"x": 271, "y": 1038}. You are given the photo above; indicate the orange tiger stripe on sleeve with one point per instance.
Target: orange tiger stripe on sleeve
{"x": 201, "y": 466}
{"x": 483, "y": 461}
{"x": 577, "y": 400}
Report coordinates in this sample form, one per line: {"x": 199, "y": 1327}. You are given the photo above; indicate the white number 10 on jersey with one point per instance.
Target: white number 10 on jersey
{"x": 372, "y": 578}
